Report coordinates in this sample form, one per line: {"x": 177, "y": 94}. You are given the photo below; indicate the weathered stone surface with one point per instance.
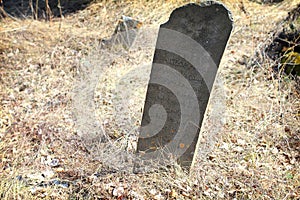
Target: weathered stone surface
{"x": 124, "y": 34}
{"x": 188, "y": 51}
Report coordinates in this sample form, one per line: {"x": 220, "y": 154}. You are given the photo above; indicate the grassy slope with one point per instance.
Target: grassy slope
{"x": 256, "y": 155}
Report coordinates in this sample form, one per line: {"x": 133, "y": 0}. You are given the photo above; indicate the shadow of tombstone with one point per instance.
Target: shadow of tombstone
{"x": 188, "y": 51}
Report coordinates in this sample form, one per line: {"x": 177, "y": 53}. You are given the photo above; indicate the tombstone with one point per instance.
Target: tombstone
{"x": 124, "y": 34}
{"x": 188, "y": 51}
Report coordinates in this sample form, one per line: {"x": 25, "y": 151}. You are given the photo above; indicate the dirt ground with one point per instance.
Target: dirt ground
{"x": 255, "y": 154}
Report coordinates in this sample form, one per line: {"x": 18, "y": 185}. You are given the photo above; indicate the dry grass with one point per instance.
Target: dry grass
{"x": 256, "y": 156}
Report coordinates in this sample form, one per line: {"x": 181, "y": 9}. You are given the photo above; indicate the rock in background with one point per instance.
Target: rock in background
{"x": 285, "y": 48}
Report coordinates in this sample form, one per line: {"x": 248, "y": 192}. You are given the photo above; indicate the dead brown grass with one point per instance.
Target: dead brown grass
{"x": 255, "y": 157}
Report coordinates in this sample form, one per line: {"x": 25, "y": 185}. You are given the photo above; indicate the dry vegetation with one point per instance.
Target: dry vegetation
{"x": 256, "y": 156}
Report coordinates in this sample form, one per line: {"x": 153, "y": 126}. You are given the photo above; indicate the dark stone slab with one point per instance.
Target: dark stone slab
{"x": 188, "y": 51}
